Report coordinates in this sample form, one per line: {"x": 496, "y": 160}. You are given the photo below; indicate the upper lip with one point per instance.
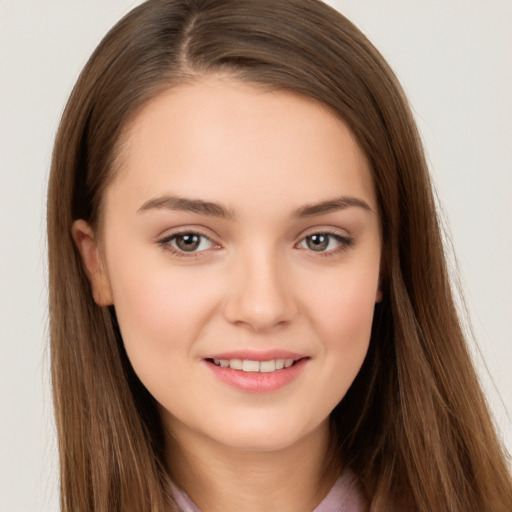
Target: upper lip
{"x": 257, "y": 355}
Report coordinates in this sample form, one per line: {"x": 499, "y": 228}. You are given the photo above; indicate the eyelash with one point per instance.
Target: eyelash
{"x": 344, "y": 241}
{"x": 165, "y": 244}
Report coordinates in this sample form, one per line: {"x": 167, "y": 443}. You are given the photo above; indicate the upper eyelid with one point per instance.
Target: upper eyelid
{"x": 341, "y": 238}
{"x": 169, "y": 234}
{"x": 207, "y": 233}
{"x": 331, "y": 230}
{"x": 166, "y": 240}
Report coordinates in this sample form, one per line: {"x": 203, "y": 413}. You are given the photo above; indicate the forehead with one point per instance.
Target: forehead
{"x": 218, "y": 138}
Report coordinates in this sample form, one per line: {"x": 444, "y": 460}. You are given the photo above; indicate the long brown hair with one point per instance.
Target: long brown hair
{"x": 414, "y": 426}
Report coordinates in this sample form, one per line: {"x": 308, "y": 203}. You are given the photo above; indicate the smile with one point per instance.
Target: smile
{"x": 257, "y": 373}
{"x": 247, "y": 365}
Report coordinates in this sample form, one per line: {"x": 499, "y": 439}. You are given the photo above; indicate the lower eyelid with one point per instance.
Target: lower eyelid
{"x": 344, "y": 246}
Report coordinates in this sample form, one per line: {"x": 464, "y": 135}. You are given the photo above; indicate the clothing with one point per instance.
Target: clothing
{"x": 344, "y": 496}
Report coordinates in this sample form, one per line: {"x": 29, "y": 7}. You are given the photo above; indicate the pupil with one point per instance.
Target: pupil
{"x": 188, "y": 243}
{"x": 318, "y": 242}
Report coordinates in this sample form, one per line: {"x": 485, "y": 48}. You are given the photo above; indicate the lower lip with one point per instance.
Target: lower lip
{"x": 258, "y": 382}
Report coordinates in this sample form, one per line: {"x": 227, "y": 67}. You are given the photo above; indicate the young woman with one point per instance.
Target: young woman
{"x": 250, "y": 307}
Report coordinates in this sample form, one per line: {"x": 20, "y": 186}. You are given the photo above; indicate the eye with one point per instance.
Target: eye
{"x": 187, "y": 242}
{"x": 325, "y": 242}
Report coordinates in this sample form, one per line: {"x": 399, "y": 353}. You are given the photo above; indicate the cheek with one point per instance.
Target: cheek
{"x": 161, "y": 314}
{"x": 349, "y": 316}
{"x": 342, "y": 304}
{"x": 341, "y": 313}
{"x": 160, "y": 310}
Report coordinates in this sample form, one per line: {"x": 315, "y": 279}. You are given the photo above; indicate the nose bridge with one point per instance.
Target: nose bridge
{"x": 260, "y": 295}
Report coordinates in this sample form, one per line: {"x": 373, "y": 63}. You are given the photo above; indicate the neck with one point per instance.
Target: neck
{"x": 222, "y": 479}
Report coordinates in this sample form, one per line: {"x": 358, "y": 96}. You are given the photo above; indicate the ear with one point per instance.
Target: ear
{"x": 92, "y": 261}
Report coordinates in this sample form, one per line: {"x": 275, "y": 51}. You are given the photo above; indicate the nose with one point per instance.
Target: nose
{"x": 260, "y": 294}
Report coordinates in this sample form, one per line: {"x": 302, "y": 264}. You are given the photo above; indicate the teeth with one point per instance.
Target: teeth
{"x": 236, "y": 364}
{"x": 250, "y": 366}
{"x": 247, "y": 365}
{"x": 267, "y": 366}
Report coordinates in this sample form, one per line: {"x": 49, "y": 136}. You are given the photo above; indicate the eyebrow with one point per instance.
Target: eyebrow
{"x": 188, "y": 205}
{"x": 331, "y": 205}
{"x": 218, "y": 210}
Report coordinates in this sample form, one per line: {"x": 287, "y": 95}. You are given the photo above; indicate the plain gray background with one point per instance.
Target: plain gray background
{"x": 454, "y": 60}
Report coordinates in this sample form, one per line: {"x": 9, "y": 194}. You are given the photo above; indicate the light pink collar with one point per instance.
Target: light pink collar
{"x": 344, "y": 496}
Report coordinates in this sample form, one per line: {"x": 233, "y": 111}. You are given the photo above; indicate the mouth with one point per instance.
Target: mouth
{"x": 251, "y": 366}
{"x": 259, "y": 373}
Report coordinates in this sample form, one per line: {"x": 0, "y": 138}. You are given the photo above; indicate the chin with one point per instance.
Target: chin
{"x": 266, "y": 436}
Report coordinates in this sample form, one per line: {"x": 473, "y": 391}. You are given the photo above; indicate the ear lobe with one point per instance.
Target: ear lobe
{"x": 92, "y": 261}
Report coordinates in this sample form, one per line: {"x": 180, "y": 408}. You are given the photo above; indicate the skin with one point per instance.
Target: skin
{"x": 257, "y": 284}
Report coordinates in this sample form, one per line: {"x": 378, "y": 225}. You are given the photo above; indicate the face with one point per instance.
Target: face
{"x": 241, "y": 250}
